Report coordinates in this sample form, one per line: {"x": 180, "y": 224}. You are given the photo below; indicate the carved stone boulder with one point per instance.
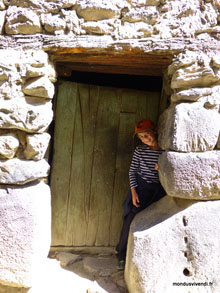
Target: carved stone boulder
{"x": 191, "y": 175}
{"x": 172, "y": 244}
{"x": 24, "y": 232}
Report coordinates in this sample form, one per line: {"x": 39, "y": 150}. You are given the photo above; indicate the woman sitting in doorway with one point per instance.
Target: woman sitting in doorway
{"x": 145, "y": 187}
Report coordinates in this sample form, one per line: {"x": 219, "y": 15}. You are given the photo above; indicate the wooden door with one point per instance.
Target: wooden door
{"x": 93, "y": 145}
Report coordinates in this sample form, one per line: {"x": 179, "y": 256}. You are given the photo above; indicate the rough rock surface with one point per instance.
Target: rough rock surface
{"x": 191, "y": 175}
{"x": 9, "y": 144}
{"x": 100, "y": 267}
{"x": 44, "y": 6}
{"x": 67, "y": 258}
{"x": 2, "y": 5}
{"x": 24, "y": 222}
{"x": 24, "y": 211}
{"x": 147, "y": 14}
{"x": 104, "y": 266}
{"x": 53, "y": 23}
{"x": 170, "y": 246}
{"x": 194, "y": 94}
{"x": 57, "y": 277}
{"x": 100, "y": 28}
{"x": 92, "y": 10}
{"x": 2, "y": 20}
{"x": 39, "y": 87}
{"x": 26, "y": 114}
{"x": 37, "y": 145}
{"x": 22, "y": 21}
{"x": 193, "y": 76}
{"x": 167, "y": 19}
{"x": 189, "y": 127}
{"x": 95, "y": 29}
{"x": 16, "y": 69}
{"x": 17, "y": 171}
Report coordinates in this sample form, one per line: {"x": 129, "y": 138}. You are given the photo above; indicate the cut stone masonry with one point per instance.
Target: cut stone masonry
{"x": 174, "y": 39}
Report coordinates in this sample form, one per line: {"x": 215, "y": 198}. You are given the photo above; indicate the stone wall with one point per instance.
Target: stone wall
{"x": 174, "y": 243}
{"x": 26, "y": 92}
{"x": 189, "y": 129}
{"x": 123, "y": 19}
{"x": 33, "y": 36}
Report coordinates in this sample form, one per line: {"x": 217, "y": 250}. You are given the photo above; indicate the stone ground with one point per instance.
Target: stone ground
{"x": 100, "y": 268}
{"x": 65, "y": 272}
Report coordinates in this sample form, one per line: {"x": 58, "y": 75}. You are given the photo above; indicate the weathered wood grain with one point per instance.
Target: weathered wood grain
{"x": 92, "y": 154}
{"x": 103, "y": 167}
{"x": 61, "y": 166}
{"x": 121, "y": 182}
{"x": 82, "y": 162}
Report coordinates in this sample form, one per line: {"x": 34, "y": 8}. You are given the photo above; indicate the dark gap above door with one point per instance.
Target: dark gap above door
{"x": 139, "y": 82}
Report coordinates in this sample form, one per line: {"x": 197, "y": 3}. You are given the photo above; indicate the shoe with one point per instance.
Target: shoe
{"x": 121, "y": 265}
{"x": 116, "y": 250}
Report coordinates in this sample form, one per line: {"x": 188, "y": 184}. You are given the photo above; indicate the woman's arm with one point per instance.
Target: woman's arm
{"x": 134, "y": 167}
{"x": 135, "y": 198}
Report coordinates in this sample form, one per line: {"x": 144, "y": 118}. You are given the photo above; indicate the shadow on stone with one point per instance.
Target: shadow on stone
{"x": 160, "y": 211}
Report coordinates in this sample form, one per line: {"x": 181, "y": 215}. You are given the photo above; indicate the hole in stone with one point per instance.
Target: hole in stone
{"x": 186, "y": 272}
{"x": 185, "y": 239}
{"x": 185, "y": 222}
{"x": 185, "y": 254}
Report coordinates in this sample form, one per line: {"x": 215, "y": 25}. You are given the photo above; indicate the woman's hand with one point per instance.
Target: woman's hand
{"x": 135, "y": 198}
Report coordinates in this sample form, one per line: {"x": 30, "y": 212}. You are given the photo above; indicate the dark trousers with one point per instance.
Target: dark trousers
{"x": 147, "y": 193}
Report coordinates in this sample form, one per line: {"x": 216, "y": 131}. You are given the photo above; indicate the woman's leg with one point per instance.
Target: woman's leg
{"x": 122, "y": 245}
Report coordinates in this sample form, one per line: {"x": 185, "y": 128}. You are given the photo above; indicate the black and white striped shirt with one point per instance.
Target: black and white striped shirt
{"x": 143, "y": 164}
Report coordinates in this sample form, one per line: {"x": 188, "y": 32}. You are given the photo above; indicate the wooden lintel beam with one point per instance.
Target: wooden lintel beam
{"x": 112, "y": 69}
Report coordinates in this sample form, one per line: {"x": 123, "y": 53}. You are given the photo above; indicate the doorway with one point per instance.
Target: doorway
{"x": 93, "y": 147}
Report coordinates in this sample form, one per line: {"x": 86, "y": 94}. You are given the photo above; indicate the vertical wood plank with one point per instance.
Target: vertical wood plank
{"x": 128, "y": 100}
{"x": 82, "y": 158}
{"x": 152, "y": 107}
{"x": 103, "y": 168}
{"x": 61, "y": 165}
{"x": 148, "y": 106}
{"x": 142, "y": 106}
{"x": 121, "y": 183}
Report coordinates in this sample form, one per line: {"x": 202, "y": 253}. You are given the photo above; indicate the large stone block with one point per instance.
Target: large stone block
{"x": 184, "y": 59}
{"x": 36, "y": 146}
{"x": 193, "y": 94}
{"x": 147, "y": 14}
{"x": 192, "y": 70}
{"x": 44, "y": 6}
{"x": 102, "y": 27}
{"x": 98, "y": 10}
{"x": 30, "y": 114}
{"x": 53, "y": 23}
{"x": 9, "y": 144}
{"x": 39, "y": 87}
{"x": 189, "y": 127}
{"x": 191, "y": 175}
{"x": 17, "y": 66}
{"x": 193, "y": 76}
{"x": 46, "y": 69}
{"x": 72, "y": 21}
{"x": 24, "y": 232}
{"x": 133, "y": 30}
{"x": 22, "y": 21}
{"x": 16, "y": 171}
{"x": 173, "y": 247}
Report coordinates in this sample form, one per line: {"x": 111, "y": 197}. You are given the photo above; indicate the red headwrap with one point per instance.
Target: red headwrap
{"x": 144, "y": 125}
